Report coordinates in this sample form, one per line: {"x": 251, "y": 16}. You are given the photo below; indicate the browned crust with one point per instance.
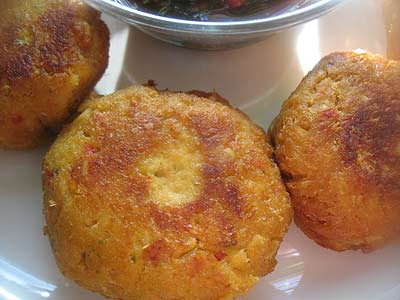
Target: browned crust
{"x": 337, "y": 142}
{"x": 52, "y": 54}
{"x": 242, "y": 207}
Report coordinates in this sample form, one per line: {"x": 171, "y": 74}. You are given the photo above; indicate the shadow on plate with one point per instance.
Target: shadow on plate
{"x": 263, "y": 72}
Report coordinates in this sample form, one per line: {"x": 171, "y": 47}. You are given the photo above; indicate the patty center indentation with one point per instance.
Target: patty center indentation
{"x": 174, "y": 170}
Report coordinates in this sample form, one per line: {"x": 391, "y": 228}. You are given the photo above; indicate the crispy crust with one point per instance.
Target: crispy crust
{"x": 111, "y": 232}
{"x": 52, "y": 54}
{"x": 337, "y": 141}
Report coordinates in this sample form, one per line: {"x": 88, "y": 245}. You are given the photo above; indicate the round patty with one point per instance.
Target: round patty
{"x": 52, "y": 53}
{"x": 337, "y": 141}
{"x": 161, "y": 195}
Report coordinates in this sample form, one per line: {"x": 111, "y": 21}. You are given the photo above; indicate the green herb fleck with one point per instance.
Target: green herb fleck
{"x": 20, "y": 42}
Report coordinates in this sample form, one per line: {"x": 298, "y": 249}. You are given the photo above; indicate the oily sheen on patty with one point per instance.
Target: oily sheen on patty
{"x": 337, "y": 142}
{"x": 52, "y": 53}
{"x": 162, "y": 195}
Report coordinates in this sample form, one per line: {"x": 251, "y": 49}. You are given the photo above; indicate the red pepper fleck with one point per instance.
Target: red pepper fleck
{"x": 17, "y": 119}
{"x": 99, "y": 118}
{"x": 90, "y": 149}
{"x": 47, "y": 175}
{"x": 220, "y": 255}
{"x": 235, "y": 3}
{"x": 156, "y": 251}
{"x": 329, "y": 113}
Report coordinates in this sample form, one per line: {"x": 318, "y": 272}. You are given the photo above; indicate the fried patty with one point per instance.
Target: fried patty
{"x": 52, "y": 53}
{"x": 337, "y": 141}
{"x": 163, "y": 195}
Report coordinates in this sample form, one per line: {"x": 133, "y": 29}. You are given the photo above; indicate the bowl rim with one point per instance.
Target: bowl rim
{"x": 137, "y": 17}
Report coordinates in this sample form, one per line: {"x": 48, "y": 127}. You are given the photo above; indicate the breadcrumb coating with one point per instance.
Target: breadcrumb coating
{"x": 164, "y": 195}
{"x": 337, "y": 142}
{"x": 52, "y": 53}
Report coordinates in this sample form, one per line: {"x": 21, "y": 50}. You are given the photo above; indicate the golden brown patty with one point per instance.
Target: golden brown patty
{"x": 160, "y": 195}
{"x": 337, "y": 142}
{"x": 52, "y": 53}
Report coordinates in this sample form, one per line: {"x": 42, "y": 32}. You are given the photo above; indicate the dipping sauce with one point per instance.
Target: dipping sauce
{"x": 202, "y": 10}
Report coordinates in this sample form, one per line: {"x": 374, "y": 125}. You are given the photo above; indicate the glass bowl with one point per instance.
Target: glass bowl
{"x": 220, "y": 32}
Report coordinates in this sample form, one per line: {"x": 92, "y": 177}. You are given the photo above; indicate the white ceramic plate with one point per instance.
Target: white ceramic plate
{"x": 257, "y": 79}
